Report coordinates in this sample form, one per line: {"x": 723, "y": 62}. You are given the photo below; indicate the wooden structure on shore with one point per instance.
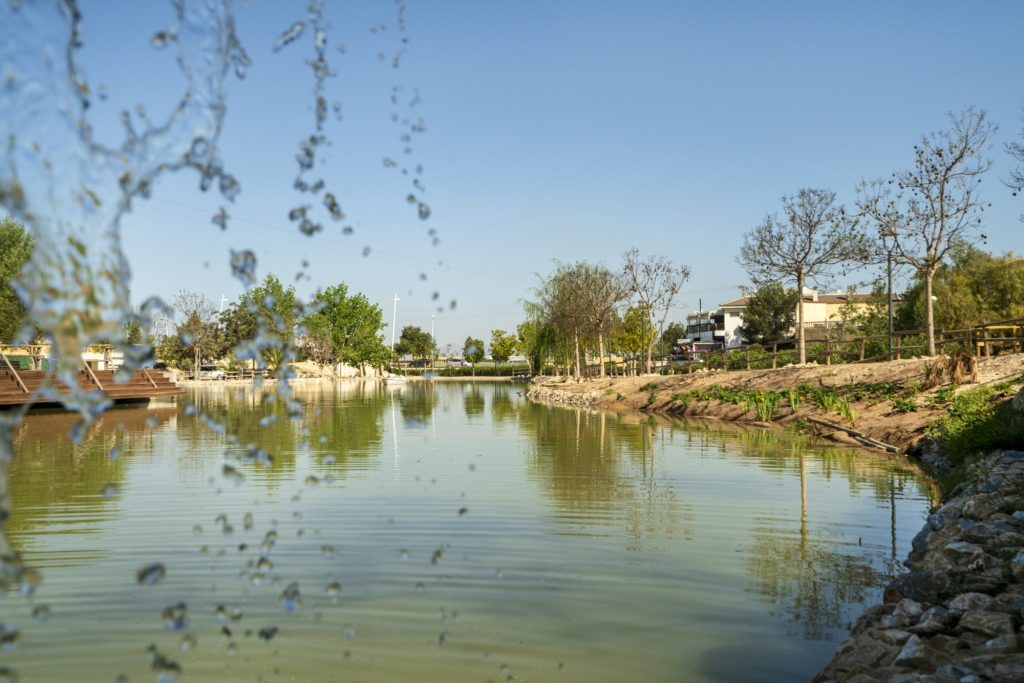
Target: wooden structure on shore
{"x": 18, "y": 387}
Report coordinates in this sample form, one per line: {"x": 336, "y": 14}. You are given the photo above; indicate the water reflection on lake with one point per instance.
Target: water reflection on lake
{"x": 444, "y": 532}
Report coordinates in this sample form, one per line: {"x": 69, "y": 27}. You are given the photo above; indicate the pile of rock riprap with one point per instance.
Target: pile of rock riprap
{"x": 545, "y": 394}
{"x": 957, "y": 615}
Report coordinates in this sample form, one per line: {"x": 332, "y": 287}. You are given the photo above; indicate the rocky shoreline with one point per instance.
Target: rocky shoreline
{"x": 957, "y": 615}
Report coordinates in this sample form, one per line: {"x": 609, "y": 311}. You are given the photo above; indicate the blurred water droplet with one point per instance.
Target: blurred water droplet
{"x": 333, "y": 589}
{"x": 442, "y": 638}
{"x": 329, "y": 552}
{"x": 10, "y": 637}
{"x": 348, "y": 632}
{"x": 162, "y": 39}
{"x": 420, "y": 587}
{"x": 247, "y": 521}
{"x": 290, "y": 35}
{"x": 424, "y": 211}
{"x": 175, "y": 617}
{"x": 267, "y": 633}
{"x": 110, "y": 491}
{"x": 41, "y": 613}
{"x": 463, "y": 511}
{"x": 232, "y": 649}
{"x": 404, "y": 554}
{"x": 115, "y": 452}
{"x": 187, "y": 643}
{"x": 290, "y": 599}
{"x": 231, "y": 474}
{"x": 312, "y": 480}
{"x": 151, "y": 574}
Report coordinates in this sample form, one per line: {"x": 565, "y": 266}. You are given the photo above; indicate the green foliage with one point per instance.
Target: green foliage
{"x": 649, "y": 386}
{"x": 15, "y": 252}
{"x": 415, "y": 341}
{"x": 473, "y": 350}
{"x": 904, "y": 405}
{"x": 503, "y": 345}
{"x": 943, "y": 395}
{"x": 979, "y": 420}
{"x": 652, "y": 396}
{"x": 765, "y": 403}
{"x": 794, "y": 398}
{"x": 672, "y": 333}
{"x": 682, "y": 398}
{"x": 634, "y": 332}
{"x": 351, "y": 326}
{"x": 770, "y": 314}
{"x": 975, "y": 287}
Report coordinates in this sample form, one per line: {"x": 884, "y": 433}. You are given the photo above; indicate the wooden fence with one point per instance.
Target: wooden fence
{"x": 1005, "y": 336}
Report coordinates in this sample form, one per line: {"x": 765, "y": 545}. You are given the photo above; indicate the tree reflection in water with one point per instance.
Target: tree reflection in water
{"x": 594, "y": 467}
{"x": 805, "y": 574}
{"x": 50, "y": 471}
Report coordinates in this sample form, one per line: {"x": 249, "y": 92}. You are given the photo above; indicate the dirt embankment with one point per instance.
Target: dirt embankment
{"x": 885, "y": 400}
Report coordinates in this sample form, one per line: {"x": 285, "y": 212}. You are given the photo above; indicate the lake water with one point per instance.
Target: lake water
{"x": 475, "y": 537}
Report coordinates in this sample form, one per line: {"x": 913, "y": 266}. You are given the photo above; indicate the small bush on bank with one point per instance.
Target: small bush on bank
{"x": 977, "y": 421}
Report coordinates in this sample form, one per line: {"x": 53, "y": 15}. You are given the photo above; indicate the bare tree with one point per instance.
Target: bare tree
{"x": 196, "y": 326}
{"x": 815, "y": 237}
{"x": 1015, "y": 181}
{"x": 601, "y": 292}
{"x": 654, "y": 281}
{"x": 925, "y": 211}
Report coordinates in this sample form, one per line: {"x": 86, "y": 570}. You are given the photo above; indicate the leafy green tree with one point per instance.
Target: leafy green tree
{"x": 975, "y": 287}
{"x": 537, "y": 341}
{"x": 673, "y": 332}
{"x": 769, "y": 315}
{"x": 15, "y": 251}
{"x": 416, "y": 342}
{"x": 473, "y": 351}
{"x": 503, "y": 345}
{"x": 238, "y": 325}
{"x": 351, "y": 324}
{"x": 270, "y": 308}
{"x": 635, "y": 331}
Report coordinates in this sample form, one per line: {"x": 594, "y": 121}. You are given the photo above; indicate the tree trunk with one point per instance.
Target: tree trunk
{"x": 196, "y": 360}
{"x": 800, "y": 341}
{"x": 576, "y": 356}
{"x": 600, "y": 351}
{"x": 930, "y": 311}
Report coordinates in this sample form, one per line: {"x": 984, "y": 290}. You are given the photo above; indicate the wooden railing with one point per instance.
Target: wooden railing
{"x": 1005, "y": 336}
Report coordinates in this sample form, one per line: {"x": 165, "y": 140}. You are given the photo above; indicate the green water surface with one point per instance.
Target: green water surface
{"x": 475, "y": 536}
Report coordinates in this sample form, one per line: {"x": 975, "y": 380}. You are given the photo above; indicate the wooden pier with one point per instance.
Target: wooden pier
{"x": 18, "y": 387}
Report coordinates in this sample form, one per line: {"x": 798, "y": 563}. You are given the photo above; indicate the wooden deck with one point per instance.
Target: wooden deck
{"x": 17, "y": 387}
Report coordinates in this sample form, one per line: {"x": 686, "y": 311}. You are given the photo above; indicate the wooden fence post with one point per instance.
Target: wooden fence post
{"x": 897, "y": 339}
{"x": 747, "y": 354}
{"x": 775, "y": 353}
{"x": 863, "y": 343}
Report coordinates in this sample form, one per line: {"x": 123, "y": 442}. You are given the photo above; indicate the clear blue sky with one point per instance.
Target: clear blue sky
{"x": 556, "y": 130}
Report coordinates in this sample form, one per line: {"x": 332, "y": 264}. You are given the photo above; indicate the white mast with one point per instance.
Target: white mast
{"x": 394, "y": 319}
